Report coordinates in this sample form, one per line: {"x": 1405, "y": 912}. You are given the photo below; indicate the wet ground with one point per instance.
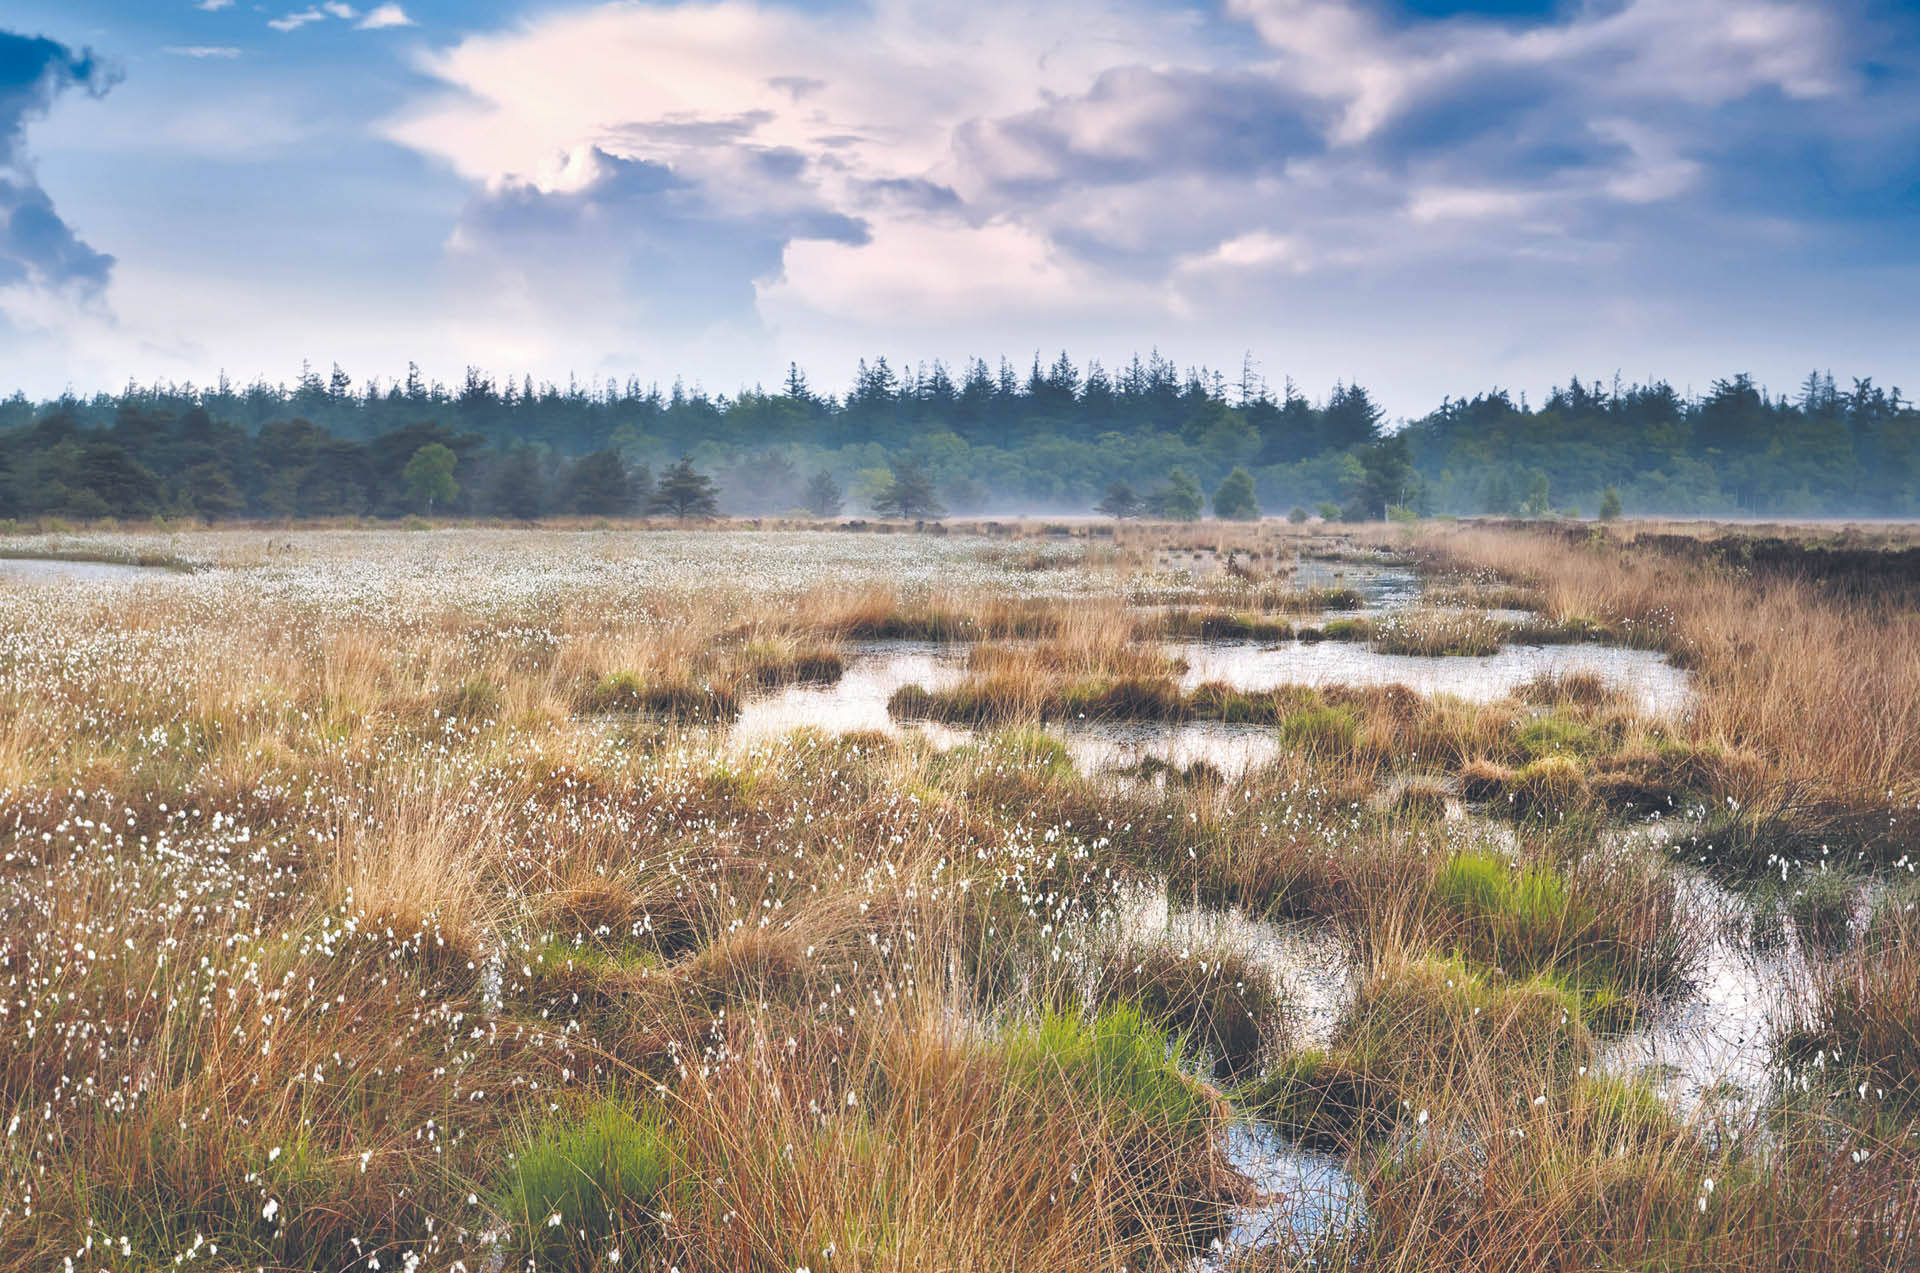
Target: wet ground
{"x": 1658, "y": 685}
{"x": 54, "y": 570}
{"x": 874, "y": 670}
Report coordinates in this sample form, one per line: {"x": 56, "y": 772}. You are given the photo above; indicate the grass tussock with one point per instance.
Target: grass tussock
{"x": 1865, "y": 1019}
{"x": 1820, "y": 687}
{"x": 1218, "y": 1001}
{"x": 1435, "y": 632}
{"x": 589, "y": 1184}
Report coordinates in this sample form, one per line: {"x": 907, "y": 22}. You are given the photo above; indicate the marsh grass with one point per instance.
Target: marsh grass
{"x": 1433, "y": 632}
{"x": 1221, "y": 625}
{"x": 1864, "y": 1023}
{"x": 1215, "y": 1000}
{"x": 590, "y": 1183}
{"x": 1423, "y": 1031}
{"x": 674, "y": 700}
{"x": 335, "y": 932}
{"x": 1610, "y": 930}
{"x": 1823, "y": 688}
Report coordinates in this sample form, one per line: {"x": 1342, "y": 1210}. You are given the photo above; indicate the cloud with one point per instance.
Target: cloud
{"x": 202, "y": 50}
{"x": 294, "y": 21}
{"x": 213, "y": 6}
{"x": 379, "y": 18}
{"x": 37, "y": 248}
{"x": 635, "y": 236}
{"x": 1146, "y": 144}
{"x": 383, "y": 16}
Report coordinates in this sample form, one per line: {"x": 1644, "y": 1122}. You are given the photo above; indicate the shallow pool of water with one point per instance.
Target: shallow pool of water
{"x": 1660, "y": 687}
{"x": 858, "y": 700}
{"x": 1125, "y": 746}
{"x": 1307, "y": 963}
{"x": 1301, "y": 1196}
{"x": 1380, "y": 587}
{"x": 55, "y": 570}
{"x": 1715, "y": 1043}
{"x": 858, "y": 703}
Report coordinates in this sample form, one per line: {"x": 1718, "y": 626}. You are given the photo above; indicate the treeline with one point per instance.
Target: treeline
{"x": 1145, "y": 439}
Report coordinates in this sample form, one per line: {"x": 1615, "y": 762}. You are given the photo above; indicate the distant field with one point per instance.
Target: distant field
{"x": 1040, "y": 895}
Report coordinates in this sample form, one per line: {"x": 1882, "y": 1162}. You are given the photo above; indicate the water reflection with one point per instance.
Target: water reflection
{"x": 1307, "y": 963}
{"x": 1301, "y": 1196}
{"x": 857, "y": 702}
{"x": 1660, "y": 687}
{"x": 1380, "y": 587}
{"x": 1716, "y": 1042}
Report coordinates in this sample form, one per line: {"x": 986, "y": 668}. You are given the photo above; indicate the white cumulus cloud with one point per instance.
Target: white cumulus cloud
{"x": 380, "y": 17}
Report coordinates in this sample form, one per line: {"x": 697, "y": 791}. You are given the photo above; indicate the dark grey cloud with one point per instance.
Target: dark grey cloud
{"x": 911, "y": 192}
{"x": 661, "y": 234}
{"x": 36, "y": 246}
{"x": 1139, "y": 124}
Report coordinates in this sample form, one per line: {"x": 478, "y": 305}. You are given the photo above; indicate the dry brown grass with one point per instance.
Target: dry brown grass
{"x": 1827, "y": 691}
{"x": 340, "y": 911}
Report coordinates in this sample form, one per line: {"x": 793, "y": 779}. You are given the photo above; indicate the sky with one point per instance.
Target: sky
{"x": 1428, "y": 197}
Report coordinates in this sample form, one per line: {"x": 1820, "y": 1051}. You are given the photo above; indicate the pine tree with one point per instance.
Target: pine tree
{"x": 822, "y": 496}
{"x": 519, "y": 490}
{"x": 598, "y": 485}
{"x": 910, "y": 496}
{"x": 1121, "y": 501}
{"x": 684, "y": 493}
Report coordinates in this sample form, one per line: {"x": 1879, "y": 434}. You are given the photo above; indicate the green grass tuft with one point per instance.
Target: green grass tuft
{"x": 602, "y": 1172}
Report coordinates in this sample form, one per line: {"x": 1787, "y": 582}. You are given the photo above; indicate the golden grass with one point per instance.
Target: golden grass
{"x": 1828, "y": 691}
{"x": 312, "y": 920}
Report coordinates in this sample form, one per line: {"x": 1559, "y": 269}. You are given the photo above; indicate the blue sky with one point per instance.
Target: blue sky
{"x": 1430, "y": 197}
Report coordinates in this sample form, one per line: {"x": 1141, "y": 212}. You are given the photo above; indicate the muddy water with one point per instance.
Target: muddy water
{"x": 54, "y": 570}
{"x": 1660, "y": 687}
